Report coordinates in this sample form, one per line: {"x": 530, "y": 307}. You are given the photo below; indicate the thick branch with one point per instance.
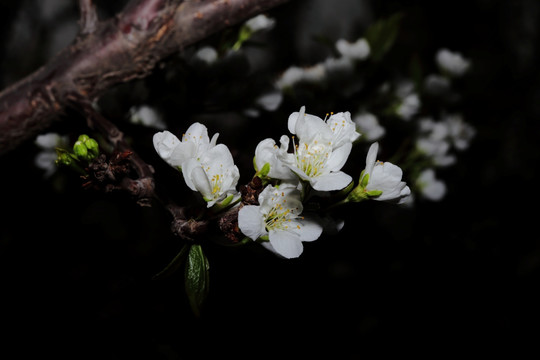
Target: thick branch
{"x": 115, "y": 51}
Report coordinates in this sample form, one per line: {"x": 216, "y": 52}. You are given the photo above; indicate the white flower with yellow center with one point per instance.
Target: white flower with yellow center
{"x": 277, "y": 219}
{"x": 213, "y": 174}
{"x": 322, "y": 149}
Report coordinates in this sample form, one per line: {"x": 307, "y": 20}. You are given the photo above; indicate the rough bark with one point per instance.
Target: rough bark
{"x": 110, "y": 52}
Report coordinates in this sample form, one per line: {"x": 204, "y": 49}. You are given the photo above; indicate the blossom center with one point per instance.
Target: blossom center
{"x": 311, "y": 158}
{"x": 216, "y": 179}
{"x": 279, "y": 217}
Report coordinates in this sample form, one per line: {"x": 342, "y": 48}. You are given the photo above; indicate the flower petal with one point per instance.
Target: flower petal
{"x": 293, "y": 118}
{"x": 371, "y": 157}
{"x": 198, "y": 133}
{"x": 183, "y": 152}
{"x": 165, "y": 142}
{"x": 332, "y": 181}
{"x": 200, "y": 181}
{"x": 286, "y": 244}
{"x": 310, "y": 229}
{"x": 251, "y": 222}
{"x": 338, "y": 157}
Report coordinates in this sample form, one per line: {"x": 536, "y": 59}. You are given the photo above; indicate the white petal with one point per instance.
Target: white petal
{"x": 182, "y": 153}
{"x": 214, "y": 140}
{"x": 313, "y": 128}
{"x": 165, "y": 142}
{"x": 218, "y": 156}
{"x": 200, "y": 181}
{"x": 332, "y": 181}
{"x": 286, "y": 244}
{"x": 371, "y": 157}
{"x": 310, "y": 229}
{"x": 251, "y": 222}
{"x": 187, "y": 169}
{"x": 197, "y": 133}
{"x": 293, "y": 118}
{"x": 338, "y": 157}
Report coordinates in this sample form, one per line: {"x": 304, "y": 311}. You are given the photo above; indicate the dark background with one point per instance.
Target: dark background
{"x": 76, "y": 265}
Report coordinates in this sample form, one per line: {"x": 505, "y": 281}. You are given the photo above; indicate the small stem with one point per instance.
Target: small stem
{"x": 89, "y": 18}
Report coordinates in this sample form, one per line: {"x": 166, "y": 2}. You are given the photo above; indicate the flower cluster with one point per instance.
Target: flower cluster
{"x": 207, "y": 167}
{"x": 306, "y": 165}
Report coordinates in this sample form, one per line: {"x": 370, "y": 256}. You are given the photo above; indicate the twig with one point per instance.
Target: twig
{"x": 89, "y": 19}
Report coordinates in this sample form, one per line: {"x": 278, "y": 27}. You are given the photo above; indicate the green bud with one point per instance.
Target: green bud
{"x": 64, "y": 158}
{"x": 80, "y": 150}
{"x": 83, "y": 138}
{"x": 93, "y": 148}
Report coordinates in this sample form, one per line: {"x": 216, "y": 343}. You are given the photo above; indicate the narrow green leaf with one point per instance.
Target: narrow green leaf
{"x": 382, "y": 35}
{"x": 175, "y": 263}
{"x": 374, "y": 193}
{"x": 196, "y": 278}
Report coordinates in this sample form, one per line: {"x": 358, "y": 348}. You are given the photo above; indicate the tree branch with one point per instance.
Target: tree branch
{"x": 110, "y": 52}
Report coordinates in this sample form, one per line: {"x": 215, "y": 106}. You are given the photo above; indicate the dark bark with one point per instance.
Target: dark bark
{"x": 110, "y": 52}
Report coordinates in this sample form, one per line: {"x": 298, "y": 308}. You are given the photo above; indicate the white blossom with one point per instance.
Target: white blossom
{"x": 278, "y": 217}
{"x": 409, "y": 106}
{"x": 213, "y": 174}
{"x": 369, "y": 126}
{"x": 260, "y": 22}
{"x": 430, "y": 187}
{"x": 207, "y": 54}
{"x": 358, "y": 50}
{"x": 338, "y": 65}
{"x": 452, "y": 63}
{"x": 384, "y": 177}
{"x": 295, "y": 74}
{"x": 267, "y": 152}
{"x": 147, "y": 116}
{"x": 436, "y": 85}
{"x": 195, "y": 142}
{"x": 437, "y": 137}
{"x": 46, "y": 158}
{"x": 270, "y": 101}
{"x": 459, "y": 131}
{"x": 322, "y": 149}
{"x": 437, "y": 150}
{"x": 408, "y": 100}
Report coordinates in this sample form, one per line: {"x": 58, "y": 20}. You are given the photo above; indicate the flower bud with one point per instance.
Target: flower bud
{"x": 93, "y": 148}
{"x": 80, "y": 150}
{"x": 64, "y": 158}
{"x": 83, "y": 138}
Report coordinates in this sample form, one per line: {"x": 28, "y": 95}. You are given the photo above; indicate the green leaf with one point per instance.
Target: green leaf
{"x": 196, "y": 278}
{"x": 175, "y": 263}
{"x": 374, "y": 193}
{"x": 382, "y": 35}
